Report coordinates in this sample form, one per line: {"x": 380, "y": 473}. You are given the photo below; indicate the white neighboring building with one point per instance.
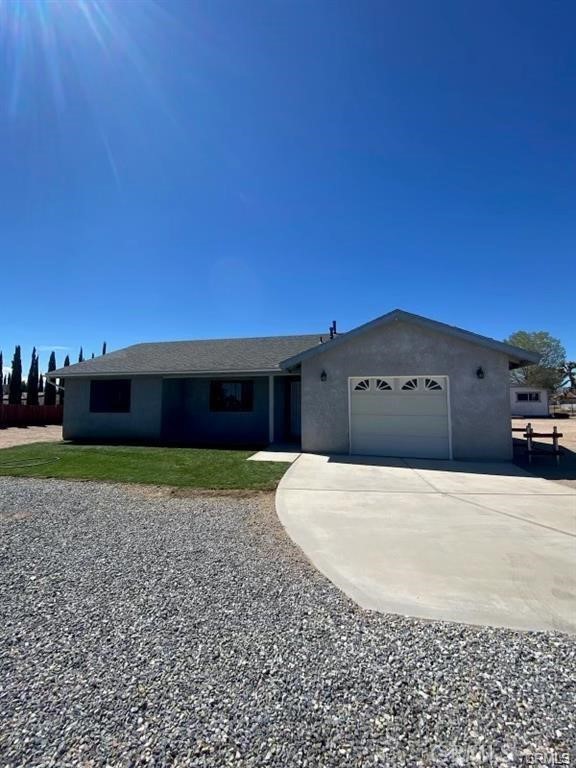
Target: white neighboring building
{"x": 528, "y": 401}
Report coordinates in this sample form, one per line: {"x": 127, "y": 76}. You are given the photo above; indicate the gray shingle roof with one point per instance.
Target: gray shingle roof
{"x": 206, "y": 356}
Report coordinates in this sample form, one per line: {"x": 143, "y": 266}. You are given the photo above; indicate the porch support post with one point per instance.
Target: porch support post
{"x": 271, "y": 409}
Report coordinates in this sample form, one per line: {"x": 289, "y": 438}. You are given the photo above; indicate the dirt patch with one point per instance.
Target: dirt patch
{"x": 12, "y": 516}
{"x": 12, "y": 436}
{"x": 566, "y": 426}
{"x": 166, "y": 491}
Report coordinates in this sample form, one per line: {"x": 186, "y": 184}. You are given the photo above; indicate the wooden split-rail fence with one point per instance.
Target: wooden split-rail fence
{"x": 548, "y": 450}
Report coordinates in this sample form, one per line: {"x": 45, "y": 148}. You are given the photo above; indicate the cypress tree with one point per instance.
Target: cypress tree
{"x": 15, "y": 393}
{"x": 1, "y": 378}
{"x": 104, "y": 348}
{"x": 49, "y": 388}
{"x": 41, "y": 383}
{"x": 66, "y": 364}
{"x": 32, "y": 382}
{"x": 81, "y": 356}
{"x": 37, "y": 376}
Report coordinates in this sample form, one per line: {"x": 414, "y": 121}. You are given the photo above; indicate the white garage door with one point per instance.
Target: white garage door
{"x": 400, "y": 416}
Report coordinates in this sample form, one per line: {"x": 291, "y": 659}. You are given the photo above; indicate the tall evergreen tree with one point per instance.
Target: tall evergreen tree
{"x": 36, "y": 376}
{"x": 66, "y": 364}
{"x": 49, "y": 387}
{"x": 81, "y": 356}
{"x": 104, "y": 348}
{"x": 15, "y": 393}
{"x": 41, "y": 383}
{"x": 1, "y": 378}
{"x": 32, "y": 381}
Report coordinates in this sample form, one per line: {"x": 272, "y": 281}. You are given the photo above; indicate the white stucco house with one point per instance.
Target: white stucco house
{"x": 400, "y": 385}
{"x": 529, "y": 401}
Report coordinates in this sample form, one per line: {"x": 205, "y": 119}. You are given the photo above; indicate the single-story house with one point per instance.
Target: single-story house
{"x": 400, "y": 385}
{"x": 529, "y": 401}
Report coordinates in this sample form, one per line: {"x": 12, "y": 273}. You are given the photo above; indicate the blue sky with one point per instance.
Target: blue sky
{"x": 182, "y": 169}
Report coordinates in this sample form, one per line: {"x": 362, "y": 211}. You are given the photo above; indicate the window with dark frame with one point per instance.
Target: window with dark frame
{"x": 528, "y": 397}
{"x": 235, "y": 396}
{"x": 110, "y": 396}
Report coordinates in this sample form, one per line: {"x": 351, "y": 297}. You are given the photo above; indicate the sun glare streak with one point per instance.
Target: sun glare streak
{"x": 11, "y": 28}
{"x": 86, "y": 11}
{"x": 92, "y": 53}
{"x": 110, "y": 158}
{"x": 50, "y": 48}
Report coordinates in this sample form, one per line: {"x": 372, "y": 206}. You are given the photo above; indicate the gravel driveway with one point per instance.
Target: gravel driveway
{"x": 138, "y": 628}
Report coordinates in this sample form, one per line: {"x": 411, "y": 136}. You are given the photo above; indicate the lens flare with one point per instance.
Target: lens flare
{"x": 60, "y": 55}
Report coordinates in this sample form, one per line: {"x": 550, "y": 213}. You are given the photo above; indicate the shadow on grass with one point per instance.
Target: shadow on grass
{"x": 110, "y": 443}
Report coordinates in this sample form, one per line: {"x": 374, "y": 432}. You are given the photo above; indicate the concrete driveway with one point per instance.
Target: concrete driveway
{"x": 476, "y": 543}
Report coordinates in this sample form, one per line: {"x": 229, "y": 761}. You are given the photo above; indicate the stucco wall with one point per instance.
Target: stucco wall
{"x": 527, "y": 407}
{"x": 188, "y": 418}
{"x": 142, "y": 423}
{"x": 480, "y": 408}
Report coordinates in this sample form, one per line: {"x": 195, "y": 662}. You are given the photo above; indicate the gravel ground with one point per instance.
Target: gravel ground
{"x": 140, "y": 628}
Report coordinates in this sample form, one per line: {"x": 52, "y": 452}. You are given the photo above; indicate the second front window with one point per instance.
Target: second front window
{"x": 231, "y": 395}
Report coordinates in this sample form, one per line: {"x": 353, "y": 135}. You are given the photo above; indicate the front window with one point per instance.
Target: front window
{"x": 528, "y": 397}
{"x": 110, "y": 396}
{"x": 231, "y": 395}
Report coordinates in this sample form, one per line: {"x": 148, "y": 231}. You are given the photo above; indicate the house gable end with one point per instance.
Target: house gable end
{"x": 517, "y": 356}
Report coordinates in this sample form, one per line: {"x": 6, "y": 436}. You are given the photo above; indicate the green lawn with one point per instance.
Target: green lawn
{"x": 181, "y": 467}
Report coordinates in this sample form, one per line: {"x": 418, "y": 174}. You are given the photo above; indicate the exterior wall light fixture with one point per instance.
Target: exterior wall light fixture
{"x": 323, "y": 376}
{"x": 480, "y": 372}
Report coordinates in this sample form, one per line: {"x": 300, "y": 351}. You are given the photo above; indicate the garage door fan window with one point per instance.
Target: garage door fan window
{"x": 110, "y": 396}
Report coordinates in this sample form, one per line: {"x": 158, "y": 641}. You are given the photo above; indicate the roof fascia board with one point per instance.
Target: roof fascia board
{"x": 160, "y": 374}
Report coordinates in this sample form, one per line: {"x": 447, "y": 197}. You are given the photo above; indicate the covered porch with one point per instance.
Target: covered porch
{"x": 237, "y": 410}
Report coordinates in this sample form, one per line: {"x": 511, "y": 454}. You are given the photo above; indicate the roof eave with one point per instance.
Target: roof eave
{"x": 64, "y": 374}
{"x": 523, "y": 363}
{"x": 519, "y": 357}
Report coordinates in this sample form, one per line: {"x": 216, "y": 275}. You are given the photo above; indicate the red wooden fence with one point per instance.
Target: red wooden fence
{"x": 30, "y": 415}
